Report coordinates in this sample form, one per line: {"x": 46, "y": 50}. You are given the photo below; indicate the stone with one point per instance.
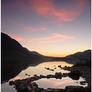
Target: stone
{"x": 58, "y": 75}
{"x": 75, "y": 74}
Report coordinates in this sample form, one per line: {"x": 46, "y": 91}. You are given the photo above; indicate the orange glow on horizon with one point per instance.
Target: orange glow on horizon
{"x": 54, "y": 63}
{"x": 57, "y": 53}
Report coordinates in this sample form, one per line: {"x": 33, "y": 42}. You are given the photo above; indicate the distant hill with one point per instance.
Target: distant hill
{"x": 77, "y": 58}
{"x": 80, "y": 57}
{"x": 15, "y": 57}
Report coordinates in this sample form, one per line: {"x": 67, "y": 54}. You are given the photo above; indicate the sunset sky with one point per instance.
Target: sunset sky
{"x": 50, "y": 27}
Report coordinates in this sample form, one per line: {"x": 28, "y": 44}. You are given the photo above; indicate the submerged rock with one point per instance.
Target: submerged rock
{"x": 75, "y": 74}
{"x": 58, "y": 75}
{"x": 49, "y": 69}
{"x": 82, "y": 82}
{"x": 25, "y": 86}
{"x": 27, "y": 74}
{"x": 60, "y": 66}
{"x": 28, "y": 85}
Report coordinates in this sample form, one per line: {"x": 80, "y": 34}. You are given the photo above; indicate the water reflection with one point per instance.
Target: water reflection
{"x": 40, "y": 69}
{"x": 12, "y": 68}
{"x": 59, "y": 83}
{"x": 52, "y": 82}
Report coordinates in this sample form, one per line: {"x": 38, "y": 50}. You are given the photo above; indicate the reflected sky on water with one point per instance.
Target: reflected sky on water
{"x": 40, "y": 69}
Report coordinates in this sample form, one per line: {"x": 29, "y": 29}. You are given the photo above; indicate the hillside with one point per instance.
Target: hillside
{"x": 15, "y": 58}
{"x": 77, "y": 58}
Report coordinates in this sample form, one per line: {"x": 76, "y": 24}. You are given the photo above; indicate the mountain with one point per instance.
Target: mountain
{"x": 9, "y": 44}
{"x": 14, "y": 57}
{"x": 80, "y": 57}
{"x": 77, "y": 58}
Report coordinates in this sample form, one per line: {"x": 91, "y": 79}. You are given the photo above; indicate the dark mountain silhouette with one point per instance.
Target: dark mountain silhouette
{"x": 77, "y": 58}
{"x": 80, "y": 57}
{"x": 15, "y": 58}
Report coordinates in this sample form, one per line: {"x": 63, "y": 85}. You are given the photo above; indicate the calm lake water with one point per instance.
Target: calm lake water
{"x": 45, "y": 83}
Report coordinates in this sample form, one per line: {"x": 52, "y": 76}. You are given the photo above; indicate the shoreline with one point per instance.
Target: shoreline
{"x": 75, "y": 72}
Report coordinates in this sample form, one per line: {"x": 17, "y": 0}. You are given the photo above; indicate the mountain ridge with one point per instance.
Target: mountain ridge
{"x": 15, "y": 57}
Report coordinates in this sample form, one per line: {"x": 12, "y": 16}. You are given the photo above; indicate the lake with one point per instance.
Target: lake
{"x": 45, "y": 68}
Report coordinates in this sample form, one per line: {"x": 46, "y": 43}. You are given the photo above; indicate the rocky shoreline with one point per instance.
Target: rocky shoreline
{"x": 29, "y": 84}
{"x": 84, "y": 69}
{"x": 33, "y": 87}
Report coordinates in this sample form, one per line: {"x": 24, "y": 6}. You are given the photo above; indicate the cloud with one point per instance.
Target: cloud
{"x": 18, "y": 38}
{"x": 40, "y": 39}
{"x": 80, "y": 3}
{"x": 29, "y": 28}
{"x": 57, "y": 35}
{"x": 54, "y": 36}
{"x": 33, "y": 29}
{"x": 48, "y": 9}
